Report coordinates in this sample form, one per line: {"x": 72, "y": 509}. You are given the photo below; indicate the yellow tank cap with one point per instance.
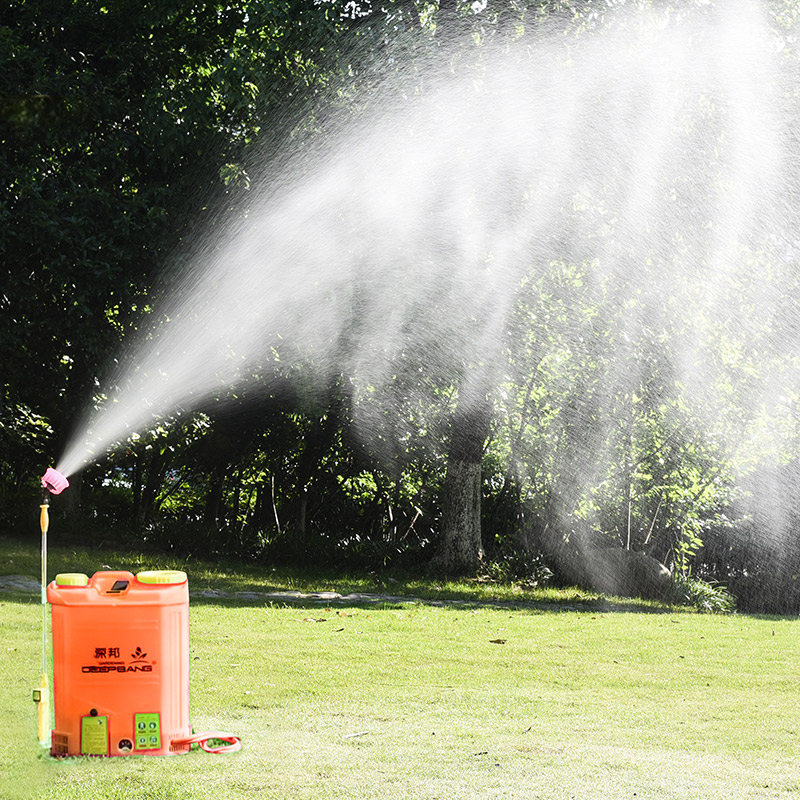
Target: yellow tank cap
{"x": 72, "y": 579}
{"x": 161, "y": 576}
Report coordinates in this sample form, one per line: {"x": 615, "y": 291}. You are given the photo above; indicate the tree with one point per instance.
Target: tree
{"x": 120, "y": 126}
{"x": 460, "y": 549}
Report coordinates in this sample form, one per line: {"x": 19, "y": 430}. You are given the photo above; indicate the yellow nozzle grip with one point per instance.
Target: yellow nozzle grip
{"x": 42, "y": 697}
{"x": 44, "y": 517}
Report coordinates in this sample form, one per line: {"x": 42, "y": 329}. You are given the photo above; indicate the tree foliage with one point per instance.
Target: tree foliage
{"x": 128, "y": 127}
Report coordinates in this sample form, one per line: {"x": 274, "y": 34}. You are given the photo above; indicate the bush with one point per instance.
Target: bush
{"x": 711, "y": 598}
{"x": 525, "y": 568}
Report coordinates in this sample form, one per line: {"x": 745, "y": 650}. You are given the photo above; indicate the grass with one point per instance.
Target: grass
{"x": 416, "y": 700}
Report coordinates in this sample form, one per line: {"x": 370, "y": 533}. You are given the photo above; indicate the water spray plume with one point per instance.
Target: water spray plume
{"x": 652, "y": 160}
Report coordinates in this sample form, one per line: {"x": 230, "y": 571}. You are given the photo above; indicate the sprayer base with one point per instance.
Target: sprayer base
{"x": 61, "y": 747}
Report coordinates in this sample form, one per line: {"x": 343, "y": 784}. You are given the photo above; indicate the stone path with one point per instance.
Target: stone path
{"x": 290, "y": 596}
{"x": 26, "y": 585}
{"x": 20, "y": 583}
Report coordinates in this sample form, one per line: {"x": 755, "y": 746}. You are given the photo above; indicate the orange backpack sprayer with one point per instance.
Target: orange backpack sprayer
{"x": 120, "y": 661}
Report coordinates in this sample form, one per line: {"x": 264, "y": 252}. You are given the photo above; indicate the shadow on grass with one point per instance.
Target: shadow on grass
{"x": 280, "y": 597}
{"x": 229, "y": 583}
{"x": 366, "y": 600}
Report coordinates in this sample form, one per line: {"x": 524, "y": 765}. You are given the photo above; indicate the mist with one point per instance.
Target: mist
{"x": 587, "y": 214}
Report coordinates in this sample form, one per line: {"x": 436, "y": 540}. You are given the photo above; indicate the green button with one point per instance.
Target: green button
{"x": 151, "y": 724}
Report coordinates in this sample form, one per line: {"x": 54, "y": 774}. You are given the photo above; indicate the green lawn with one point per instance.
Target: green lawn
{"x": 424, "y": 701}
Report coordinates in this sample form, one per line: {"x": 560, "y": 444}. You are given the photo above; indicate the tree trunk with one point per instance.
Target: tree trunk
{"x": 72, "y": 499}
{"x": 317, "y": 441}
{"x": 138, "y": 514}
{"x": 156, "y": 470}
{"x": 214, "y": 500}
{"x": 461, "y": 548}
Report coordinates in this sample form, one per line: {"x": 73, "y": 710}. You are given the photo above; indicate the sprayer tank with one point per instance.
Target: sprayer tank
{"x": 120, "y": 663}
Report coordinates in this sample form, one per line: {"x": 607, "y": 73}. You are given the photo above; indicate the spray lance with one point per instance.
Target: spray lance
{"x": 53, "y": 482}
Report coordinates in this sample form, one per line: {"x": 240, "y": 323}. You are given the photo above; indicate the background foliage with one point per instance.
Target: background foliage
{"x": 125, "y": 128}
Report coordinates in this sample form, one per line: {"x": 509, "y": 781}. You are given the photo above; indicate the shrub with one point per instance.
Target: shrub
{"x": 712, "y": 598}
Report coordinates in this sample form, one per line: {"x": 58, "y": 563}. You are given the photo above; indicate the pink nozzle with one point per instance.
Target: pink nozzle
{"x": 54, "y": 482}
